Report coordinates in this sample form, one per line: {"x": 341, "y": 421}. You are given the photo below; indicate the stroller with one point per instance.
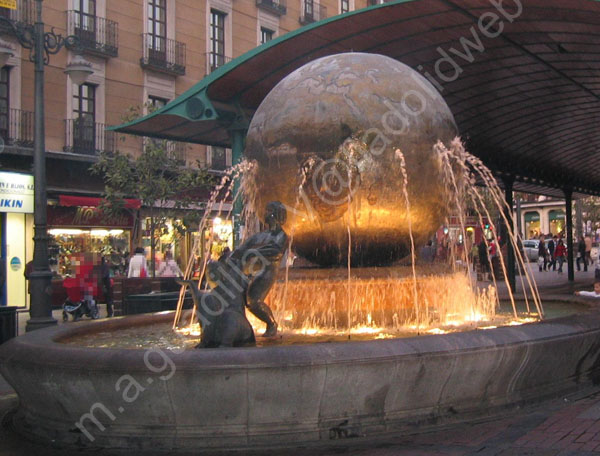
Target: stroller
{"x": 79, "y": 303}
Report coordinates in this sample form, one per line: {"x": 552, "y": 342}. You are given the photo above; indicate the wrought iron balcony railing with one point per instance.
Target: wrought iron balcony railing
{"x": 214, "y": 61}
{"x": 175, "y": 149}
{"x": 88, "y": 138}
{"x": 97, "y": 35}
{"x": 312, "y": 12}
{"x": 16, "y": 128}
{"x": 24, "y": 14}
{"x": 278, "y": 7}
{"x": 163, "y": 55}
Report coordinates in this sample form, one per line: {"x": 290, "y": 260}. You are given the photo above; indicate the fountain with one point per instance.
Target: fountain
{"x": 361, "y": 150}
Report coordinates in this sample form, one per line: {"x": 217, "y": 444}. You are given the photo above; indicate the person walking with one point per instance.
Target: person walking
{"x": 107, "y": 287}
{"x": 588, "y": 251}
{"x": 484, "y": 262}
{"x": 551, "y": 247}
{"x": 581, "y": 254}
{"x": 560, "y": 254}
{"x": 542, "y": 255}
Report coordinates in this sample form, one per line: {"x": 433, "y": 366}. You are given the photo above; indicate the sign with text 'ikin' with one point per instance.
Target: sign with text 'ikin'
{"x": 16, "y": 192}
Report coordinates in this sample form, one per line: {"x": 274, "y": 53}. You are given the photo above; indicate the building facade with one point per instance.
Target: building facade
{"x": 144, "y": 53}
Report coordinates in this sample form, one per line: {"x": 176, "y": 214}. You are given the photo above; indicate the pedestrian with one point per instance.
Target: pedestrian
{"x": 484, "y": 263}
{"x": 542, "y": 254}
{"x": 106, "y": 282}
{"x": 588, "y": 250}
{"x": 169, "y": 267}
{"x": 581, "y": 254}
{"x": 138, "y": 266}
{"x": 474, "y": 255}
{"x": 27, "y": 273}
{"x": 559, "y": 254}
{"x": 551, "y": 247}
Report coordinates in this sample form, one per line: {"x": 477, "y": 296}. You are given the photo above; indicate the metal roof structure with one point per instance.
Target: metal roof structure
{"x": 522, "y": 78}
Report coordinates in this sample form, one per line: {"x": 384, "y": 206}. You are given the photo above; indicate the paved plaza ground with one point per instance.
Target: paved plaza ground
{"x": 562, "y": 427}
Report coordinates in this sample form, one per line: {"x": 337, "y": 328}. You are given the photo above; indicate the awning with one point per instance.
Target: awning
{"x": 526, "y": 100}
{"x": 556, "y": 215}
{"x": 532, "y": 217}
{"x": 88, "y": 201}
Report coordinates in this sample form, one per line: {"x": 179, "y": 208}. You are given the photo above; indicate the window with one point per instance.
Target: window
{"x": 217, "y": 39}
{"x": 4, "y": 103}
{"x": 85, "y": 20}
{"x": 309, "y": 9}
{"x": 218, "y": 159}
{"x": 266, "y": 35}
{"x": 84, "y": 122}
{"x": 157, "y": 25}
{"x": 155, "y": 103}
{"x": 344, "y": 6}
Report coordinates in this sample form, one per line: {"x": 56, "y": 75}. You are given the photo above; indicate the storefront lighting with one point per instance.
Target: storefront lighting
{"x": 217, "y": 221}
{"x": 65, "y": 232}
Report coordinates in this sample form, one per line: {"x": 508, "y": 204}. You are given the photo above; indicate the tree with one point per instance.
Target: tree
{"x": 154, "y": 177}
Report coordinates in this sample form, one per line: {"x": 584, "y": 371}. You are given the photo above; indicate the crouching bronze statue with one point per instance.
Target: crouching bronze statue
{"x": 239, "y": 280}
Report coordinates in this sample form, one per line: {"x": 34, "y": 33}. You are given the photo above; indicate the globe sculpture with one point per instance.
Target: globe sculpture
{"x": 329, "y": 142}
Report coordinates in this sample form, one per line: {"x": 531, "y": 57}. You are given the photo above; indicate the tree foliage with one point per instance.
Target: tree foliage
{"x": 156, "y": 178}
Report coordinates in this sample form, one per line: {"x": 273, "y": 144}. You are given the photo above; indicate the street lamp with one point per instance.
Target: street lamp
{"x": 41, "y": 44}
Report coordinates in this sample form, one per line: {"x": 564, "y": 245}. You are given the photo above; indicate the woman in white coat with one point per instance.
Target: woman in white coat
{"x": 138, "y": 266}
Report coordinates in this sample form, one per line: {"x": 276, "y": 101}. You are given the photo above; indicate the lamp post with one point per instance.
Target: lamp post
{"x": 41, "y": 45}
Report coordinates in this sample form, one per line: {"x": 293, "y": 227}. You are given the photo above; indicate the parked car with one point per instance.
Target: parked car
{"x": 530, "y": 246}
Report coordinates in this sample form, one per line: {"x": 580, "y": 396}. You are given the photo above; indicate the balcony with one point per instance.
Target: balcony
{"x": 163, "y": 55}
{"x": 278, "y": 7}
{"x": 214, "y": 61}
{"x": 16, "y": 128}
{"x": 312, "y": 12}
{"x": 88, "y": 138}
{"x": 98, "y": 36}
{"x": 23, "y": 15}
{"x": 175, "y": 149}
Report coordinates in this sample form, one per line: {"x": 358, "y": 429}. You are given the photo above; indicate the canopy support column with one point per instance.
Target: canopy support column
{"x": 569, "y": 228}
{"x": 510, "y": 252}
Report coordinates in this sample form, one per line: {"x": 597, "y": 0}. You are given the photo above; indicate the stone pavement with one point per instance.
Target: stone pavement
{"x": 566, "y": 426}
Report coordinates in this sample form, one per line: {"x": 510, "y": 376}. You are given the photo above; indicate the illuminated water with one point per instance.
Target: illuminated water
{"x": 162, "y": 336}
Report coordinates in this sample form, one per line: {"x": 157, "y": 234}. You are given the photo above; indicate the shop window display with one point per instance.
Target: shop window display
{"x": 67, "y": 244}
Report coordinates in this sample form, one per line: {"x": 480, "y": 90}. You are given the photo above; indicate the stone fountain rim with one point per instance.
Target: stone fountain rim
{"x": 28, "y": 348}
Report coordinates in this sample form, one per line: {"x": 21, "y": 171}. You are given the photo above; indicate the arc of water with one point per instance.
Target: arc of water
{"x": 226, "y": 182}
{"x": 464, "y": 159}
{"x": 511, "y": 235}
{"x": 190, "y": 264}
{"x": 458, "y": 194}
{"x": 234, "y": 175}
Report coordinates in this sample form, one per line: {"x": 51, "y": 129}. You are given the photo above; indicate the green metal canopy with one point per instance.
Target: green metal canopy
{"x": 524, "y": 88}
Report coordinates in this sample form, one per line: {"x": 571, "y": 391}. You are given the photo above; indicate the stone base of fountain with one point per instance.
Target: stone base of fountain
{"x": 244, "y": 398}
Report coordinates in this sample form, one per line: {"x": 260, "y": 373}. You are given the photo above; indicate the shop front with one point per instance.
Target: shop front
{"x": 177, "y": 237}
{"x": 76, "y": 225}
{"x": 556, "y": 222}
{"x": 532, "y": 224}
{"x": 16, "y": 231}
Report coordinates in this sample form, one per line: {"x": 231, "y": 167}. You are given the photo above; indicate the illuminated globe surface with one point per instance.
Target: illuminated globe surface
{"x": 326, "y": 142}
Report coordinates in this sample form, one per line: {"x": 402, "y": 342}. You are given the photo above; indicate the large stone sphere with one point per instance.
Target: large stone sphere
{"x": 329, "y": 141}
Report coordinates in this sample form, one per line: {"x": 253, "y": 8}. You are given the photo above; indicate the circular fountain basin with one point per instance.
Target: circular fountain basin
{"x": 155, "y": 399}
